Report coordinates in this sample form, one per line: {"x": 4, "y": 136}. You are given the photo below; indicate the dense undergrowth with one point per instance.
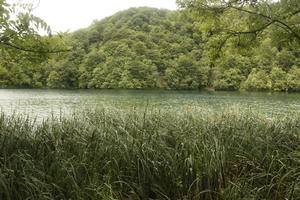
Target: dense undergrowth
{"x": 155, "y": 154}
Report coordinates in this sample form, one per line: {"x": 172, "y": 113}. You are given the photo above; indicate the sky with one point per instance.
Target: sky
{"x": 70, "y": 15}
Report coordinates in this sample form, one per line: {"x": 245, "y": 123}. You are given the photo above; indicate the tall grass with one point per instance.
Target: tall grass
{"x": 154, "y": 154}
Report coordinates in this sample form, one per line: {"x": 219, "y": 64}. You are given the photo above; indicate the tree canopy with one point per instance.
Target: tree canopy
{"x": 156, "y": 48}
{"x": 136, "y": 48}
{"x": 247, "y": 19}
{"x": 229, "y": 26}
{"x": 19, "y": 33}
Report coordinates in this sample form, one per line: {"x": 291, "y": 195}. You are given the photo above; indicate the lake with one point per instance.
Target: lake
{"x": 43, "y": 103}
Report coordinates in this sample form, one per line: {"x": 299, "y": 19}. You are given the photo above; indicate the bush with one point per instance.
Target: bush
{"x": 228, "y": 80}
{"x": 293, "y": 79}
{"x": 279, "y": 79}
{"x": 258, "y": 80}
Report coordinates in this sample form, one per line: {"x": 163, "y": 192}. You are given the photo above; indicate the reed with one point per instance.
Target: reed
{"x": 165, "y": 154}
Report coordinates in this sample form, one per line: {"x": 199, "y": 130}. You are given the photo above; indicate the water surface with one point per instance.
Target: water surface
{"x": 44, "y": 103}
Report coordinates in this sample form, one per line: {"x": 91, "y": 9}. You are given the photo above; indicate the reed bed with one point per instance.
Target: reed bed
{"x": 146, "y": 154}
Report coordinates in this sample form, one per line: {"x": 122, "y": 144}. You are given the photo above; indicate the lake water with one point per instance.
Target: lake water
{"x": 44, "y": 103}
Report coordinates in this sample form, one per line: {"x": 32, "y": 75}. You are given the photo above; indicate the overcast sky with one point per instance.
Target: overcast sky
{"x": 63, "y": 15}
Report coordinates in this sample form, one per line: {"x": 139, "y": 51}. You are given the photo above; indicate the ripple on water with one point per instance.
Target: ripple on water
{"x": 47, "y": 103}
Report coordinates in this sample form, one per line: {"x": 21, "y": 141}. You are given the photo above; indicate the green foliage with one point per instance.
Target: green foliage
{"x": 285, "y": 59}
{"x": 63, "y": 75}
{"x": 258, "y": 80}
{"x": 4, "y": 76}
{"x": 22, "y": 49}
{"x": 19, "y": 32}
{"x": 278, "y": 78}
{"x": 267, "y": 29}
{"x": 232, "y": 70}
{"x": 219, "y": 19}
{"x": 228, "y": 79}
{"x": 153, "y": 48}
{"x": 137, "y": 48}
{"x": 157, "y": 154}
{"x": 293, "y": 79}
{"x": 185, "y": 73}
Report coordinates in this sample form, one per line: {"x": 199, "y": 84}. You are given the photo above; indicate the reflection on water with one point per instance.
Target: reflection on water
{"x": 44, "y": 103}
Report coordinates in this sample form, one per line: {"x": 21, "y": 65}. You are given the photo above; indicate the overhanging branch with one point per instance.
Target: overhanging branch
{"x": 32, "y": 50}
{"x": 272, "y": 21}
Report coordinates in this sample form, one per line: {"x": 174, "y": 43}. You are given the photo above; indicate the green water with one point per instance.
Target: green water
{"x": 44, "y": 103}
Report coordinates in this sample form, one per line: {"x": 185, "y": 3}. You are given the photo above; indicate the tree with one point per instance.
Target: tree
{"x": 258, "y": 80}
{"x": 247, "y": 18}
{"x": 136, "y": 48}
{"x": 186, "y": 73}
{"x": 19, "y": 31}
{"x": 22, "y": 48}
{"x": 293, "y": 79}
{"x": 278, "y": 79}
{"x": 243, "y": 24}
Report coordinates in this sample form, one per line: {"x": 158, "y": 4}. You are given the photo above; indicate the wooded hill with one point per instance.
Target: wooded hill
{"x": 136, "y": 48}
{"x": 153, "y": 48}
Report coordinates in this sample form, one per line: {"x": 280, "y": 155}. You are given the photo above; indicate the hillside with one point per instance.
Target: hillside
{"x": 136, "y": 48}
{"x": 154, "y": 48}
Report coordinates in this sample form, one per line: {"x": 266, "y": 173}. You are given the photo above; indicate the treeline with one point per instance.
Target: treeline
{"x": 152, "y": 48}
{"x": 263, "y": 68}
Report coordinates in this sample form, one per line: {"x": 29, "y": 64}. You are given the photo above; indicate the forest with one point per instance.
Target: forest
{"x": 145, "y": 48}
